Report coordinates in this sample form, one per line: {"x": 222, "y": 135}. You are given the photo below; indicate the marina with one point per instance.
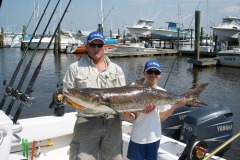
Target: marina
{"x": 194, "y": 61}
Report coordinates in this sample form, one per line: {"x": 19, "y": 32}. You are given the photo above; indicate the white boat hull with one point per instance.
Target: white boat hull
{"x": 229, "y": 58}
{"x": 65, "y": 41}
{"x": 165, "y": 34}
{"x": 229, "y": 35}
{"x": 42, "y": 46}
{"x": 129, "y": 48}
{"x": 139, "y": 31}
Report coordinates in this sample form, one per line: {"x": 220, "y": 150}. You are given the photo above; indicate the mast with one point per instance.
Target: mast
{"x": 102, "y": 13}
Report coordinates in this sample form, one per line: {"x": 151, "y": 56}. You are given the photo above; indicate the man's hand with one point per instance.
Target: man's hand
{"x": 128, "y": 115}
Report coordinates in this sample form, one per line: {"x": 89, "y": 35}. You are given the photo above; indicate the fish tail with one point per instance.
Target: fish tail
{"x": 193, "y": 94}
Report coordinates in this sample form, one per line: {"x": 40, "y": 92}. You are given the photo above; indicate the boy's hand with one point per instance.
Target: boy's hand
{"x": 181, "y": 103}
{"x": 148, "y": 108}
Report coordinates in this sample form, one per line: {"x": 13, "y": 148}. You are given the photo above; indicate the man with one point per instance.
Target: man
{"x": 96, "y": 135}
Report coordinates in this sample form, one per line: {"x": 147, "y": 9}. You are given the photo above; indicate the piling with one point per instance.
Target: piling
{"x": 100, "y": 28}
{"x": 197, "y": 31}
{"x": 23, "y": 45}
{"x": 59, "y": 40}
{"x": 110, "y": 33}
{"x": 191, "y": 38}
{"x": 178, "y": 38}
{"x": 118, "y": 36}
{"x": 196, "y": 61}
{"x": 201, "y": 37}
{"x": 1, "y": 38}
{"x": 56, "y": 42}
{"x": 215, "y": 40}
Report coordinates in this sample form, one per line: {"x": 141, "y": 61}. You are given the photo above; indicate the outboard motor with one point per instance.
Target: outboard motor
{"x": 171, "y": 127}
{"x": 212, "y": 124}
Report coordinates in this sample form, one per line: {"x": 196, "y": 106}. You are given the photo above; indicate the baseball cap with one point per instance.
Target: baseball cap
{"x": 96, "y": 35}
{"x": 153, "y": 64}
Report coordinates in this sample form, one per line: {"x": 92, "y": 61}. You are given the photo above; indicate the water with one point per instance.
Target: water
{"x": 223, "y": 88}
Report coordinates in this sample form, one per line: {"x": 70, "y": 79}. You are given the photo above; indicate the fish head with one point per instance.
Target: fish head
{"x": 79, "y": 98}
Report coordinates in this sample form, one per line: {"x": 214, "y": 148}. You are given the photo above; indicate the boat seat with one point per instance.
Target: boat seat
{"x": 16, "y": 157}
{"x": 6, "y": 131}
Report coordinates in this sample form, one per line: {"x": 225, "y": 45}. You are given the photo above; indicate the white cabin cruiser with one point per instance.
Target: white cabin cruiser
{"x": 228, "y": 30}
{"x": 142, "y": 28}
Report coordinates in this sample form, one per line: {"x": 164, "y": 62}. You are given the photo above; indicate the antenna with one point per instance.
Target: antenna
{"x": 207, "y": 17}
{"x": 102, "y": 12}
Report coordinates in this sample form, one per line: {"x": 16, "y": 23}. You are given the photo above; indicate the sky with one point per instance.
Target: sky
{"x": 85, "y": 15}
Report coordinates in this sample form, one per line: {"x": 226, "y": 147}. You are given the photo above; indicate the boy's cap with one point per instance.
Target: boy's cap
{"x": 153, "y": 64}
{"x": 96, "y": 35}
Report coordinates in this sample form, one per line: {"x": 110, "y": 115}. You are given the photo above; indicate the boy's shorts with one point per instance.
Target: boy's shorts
{"x": 138, "y": 151}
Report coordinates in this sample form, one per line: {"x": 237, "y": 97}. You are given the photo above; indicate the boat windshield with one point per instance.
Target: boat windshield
{"x": 146, "y": 22}
{"x": 231, "y": 21}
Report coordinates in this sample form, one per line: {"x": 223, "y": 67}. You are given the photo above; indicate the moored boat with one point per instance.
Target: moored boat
{"x": 17, "y": 40}
{"x": 43, "y": 44}
{"x": 129, "y": 47}
{"x": 229, "y": 58}
{"x": 170, "y": 33}
{"x": 228, "y": 30}
{"x": 142, "y": 28}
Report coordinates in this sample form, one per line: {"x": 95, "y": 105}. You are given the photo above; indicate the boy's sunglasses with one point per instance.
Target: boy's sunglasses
{"x": 93, "y": 45}
{"x": 156, "y": 72}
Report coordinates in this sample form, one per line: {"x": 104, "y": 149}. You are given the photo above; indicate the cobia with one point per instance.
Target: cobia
{"x": 133, "y": 97}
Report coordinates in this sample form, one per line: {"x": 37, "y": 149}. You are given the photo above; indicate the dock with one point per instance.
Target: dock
{"x": 204, "y": 62}
{"x": 208, "y": 60}
{"x": 203, "y": 54}
{"x": 159, "y": 52}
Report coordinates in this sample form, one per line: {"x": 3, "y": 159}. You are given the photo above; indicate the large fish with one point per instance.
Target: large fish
{"x": 133, "y": 97}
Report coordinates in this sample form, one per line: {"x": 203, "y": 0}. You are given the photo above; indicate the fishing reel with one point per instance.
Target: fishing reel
{"x": 198, "y": 150}
{"x": 58, "y": 102}
{"x": 8, "y": 88}
{"x": 27, "y": 99}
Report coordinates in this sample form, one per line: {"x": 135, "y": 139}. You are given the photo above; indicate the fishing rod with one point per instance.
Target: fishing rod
{"x": 9, "y": 87}
{"x": 178, "y": 54}
{"x": 26, "y": 96}
{"x": 171, "y": 70}
{"x": 16, "y": 93}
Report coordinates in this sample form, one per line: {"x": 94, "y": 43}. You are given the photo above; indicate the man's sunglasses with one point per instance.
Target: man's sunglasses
{"x": 156, "y": 72}
{"x": 93, "y": 45}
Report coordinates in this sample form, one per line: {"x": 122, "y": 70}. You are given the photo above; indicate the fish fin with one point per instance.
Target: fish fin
{"x": 109, "y": 105}
{"x": 195, "y": 103}
{"x": 137, "y": 83}
{"x": 73, "y": 104}
{"x": 192, "y": 95}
